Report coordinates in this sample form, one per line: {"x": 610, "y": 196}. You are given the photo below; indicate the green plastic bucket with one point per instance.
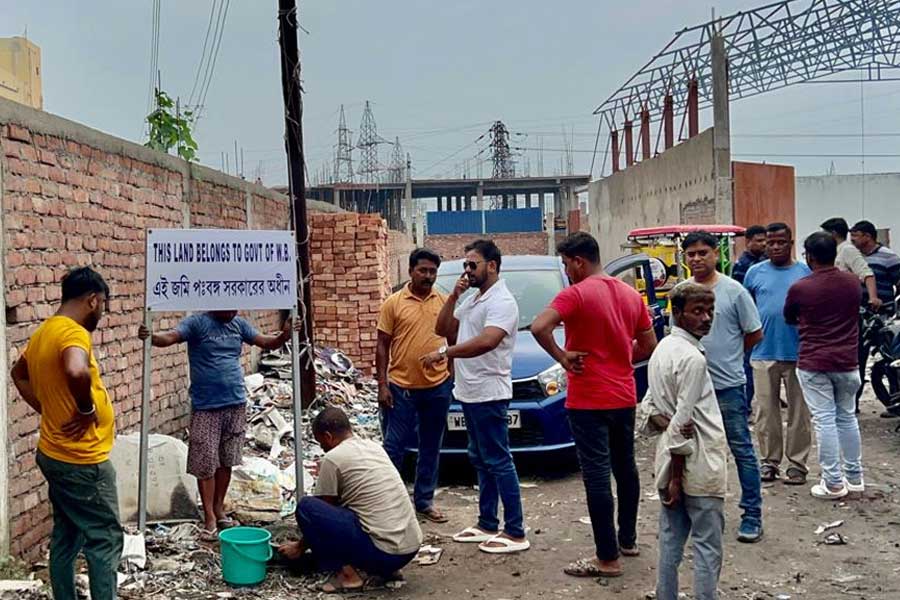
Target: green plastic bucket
{"x": 245, "y": 552}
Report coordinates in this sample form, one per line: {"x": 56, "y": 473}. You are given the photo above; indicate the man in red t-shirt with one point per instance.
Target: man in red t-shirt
{"x": 608, "y": 327}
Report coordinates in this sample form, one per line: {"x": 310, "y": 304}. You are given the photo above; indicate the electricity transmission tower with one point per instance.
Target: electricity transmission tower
{"x": 343, "y": 159}
{"x": 504, "y": 167}
{"x": 398, "y": 165}
{"x": 367, "y": 142}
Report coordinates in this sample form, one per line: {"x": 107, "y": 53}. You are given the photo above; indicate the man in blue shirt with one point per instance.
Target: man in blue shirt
{"x": 755, "y": 240}
{"x": 735, "y": 330}
{"x": 218, "y": 399}
{"x": 774, "y": 361}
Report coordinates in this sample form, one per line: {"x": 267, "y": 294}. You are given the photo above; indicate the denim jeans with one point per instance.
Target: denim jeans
{"x": 702, "y": 517}
{"x": 85, "y": 519}
{"x": 490, "y": 456}
{"x": 831, "y": 398}
{"x": 750, "y": 388}
{"x": 737, "y": 429}
{"x": 336, "y": 539}
{"x": 424, "y": 411}
{"x": 604, "y": 441}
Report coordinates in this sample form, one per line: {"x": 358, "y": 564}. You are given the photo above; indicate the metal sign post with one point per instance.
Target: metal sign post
{"x": 145, "y": 426}
{"x": 297, "y": 406}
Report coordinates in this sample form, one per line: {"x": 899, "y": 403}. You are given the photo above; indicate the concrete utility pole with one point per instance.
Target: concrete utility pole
{"x": 411, "y": 214}
{"x": 721, "y": 132}
{"x": 293, "y": 140}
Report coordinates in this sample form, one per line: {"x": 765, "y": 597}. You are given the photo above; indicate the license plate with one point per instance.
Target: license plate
{"x": 457, "y": 421}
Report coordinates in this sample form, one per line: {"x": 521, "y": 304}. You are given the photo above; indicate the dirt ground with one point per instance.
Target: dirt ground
{"x": 790, "y": 562}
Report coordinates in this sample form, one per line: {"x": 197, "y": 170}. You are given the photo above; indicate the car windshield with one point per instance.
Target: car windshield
{"x": 533, "y": 290}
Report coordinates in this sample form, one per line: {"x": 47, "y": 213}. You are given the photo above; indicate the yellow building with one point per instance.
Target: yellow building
{"x": 20, "y": 72}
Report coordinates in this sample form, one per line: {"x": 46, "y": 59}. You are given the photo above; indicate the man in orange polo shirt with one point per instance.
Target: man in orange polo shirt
{"x": 57, "y": 375}
{"x": 410, "y": 396}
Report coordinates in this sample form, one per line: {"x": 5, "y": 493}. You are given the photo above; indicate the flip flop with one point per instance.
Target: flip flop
{"x": 434, "y": 515}
{"x": 795, "y": 477}
{"x": 209, "y": 535}
{"x": 333, "y": 586}
{"x": 821, "y": 491}
{"x": 227, "y": 523}
{"x": 507, "y": 546}
{"x": 633, "y": 551}
{"x": 473, "y": 535}
{"x": 585, "y": 567}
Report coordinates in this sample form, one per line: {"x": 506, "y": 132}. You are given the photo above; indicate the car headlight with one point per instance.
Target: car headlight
{"x": 553, "y": 380}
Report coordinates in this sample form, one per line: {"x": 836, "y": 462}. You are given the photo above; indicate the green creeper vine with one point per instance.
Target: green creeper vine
{"x": 168, "y": 130}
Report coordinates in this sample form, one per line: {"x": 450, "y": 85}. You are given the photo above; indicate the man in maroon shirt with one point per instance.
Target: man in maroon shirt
{"x": 607, "y": 327}
{"x": 825, "y": 306}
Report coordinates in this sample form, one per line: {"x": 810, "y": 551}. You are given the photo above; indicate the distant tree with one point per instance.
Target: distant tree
{"x": 171, "y": 129}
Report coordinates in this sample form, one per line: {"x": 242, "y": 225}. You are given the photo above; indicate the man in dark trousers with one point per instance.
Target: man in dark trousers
{"x": 607, "y": 329}
{"x": 218, "y": 399}
{"x": 412, "y": 398}
{"x": 58, "y": 376}
{"x": 359, "y": 517}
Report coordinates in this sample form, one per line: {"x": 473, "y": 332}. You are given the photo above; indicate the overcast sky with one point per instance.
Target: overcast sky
{"x": 437, "y": 73}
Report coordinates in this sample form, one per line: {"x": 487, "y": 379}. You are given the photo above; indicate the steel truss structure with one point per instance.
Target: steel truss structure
{"x": 768, "y": 48}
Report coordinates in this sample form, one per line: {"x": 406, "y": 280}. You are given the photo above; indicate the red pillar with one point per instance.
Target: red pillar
{"x": 669, "y": 121}
{"x": 629, "y": 144}
{"x": 615, "y": 150}
{"x": 693, "y": 107}
{"x": 645, "y": 134}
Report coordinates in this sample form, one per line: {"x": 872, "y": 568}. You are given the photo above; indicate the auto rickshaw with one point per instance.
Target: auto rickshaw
{"x": 663, "y": 244}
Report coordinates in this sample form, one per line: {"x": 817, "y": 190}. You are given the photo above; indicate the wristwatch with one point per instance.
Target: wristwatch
{"x": 443, "y": 351}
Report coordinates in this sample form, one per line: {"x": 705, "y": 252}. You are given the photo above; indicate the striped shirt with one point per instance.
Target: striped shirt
{"x": 885, "y": 265}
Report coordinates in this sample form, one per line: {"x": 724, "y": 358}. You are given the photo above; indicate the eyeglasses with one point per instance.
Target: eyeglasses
{"x": 471, "y": 265}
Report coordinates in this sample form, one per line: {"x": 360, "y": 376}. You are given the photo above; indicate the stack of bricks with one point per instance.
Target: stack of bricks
{"x": 349, "y": 262}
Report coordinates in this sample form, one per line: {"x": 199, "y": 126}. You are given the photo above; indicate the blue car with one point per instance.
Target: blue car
{"x": 537, "y": 416}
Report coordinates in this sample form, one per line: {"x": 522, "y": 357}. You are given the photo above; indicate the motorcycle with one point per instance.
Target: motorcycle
{"x": 882, "y": 335}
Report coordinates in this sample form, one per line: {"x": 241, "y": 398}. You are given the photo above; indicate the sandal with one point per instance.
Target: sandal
{"x": 434, "y": 515}
{"x": 795, "y": 477}
{"x": 507, "y": 546}
{"x": 209, "y": 535}
{"x": 823, "y": 492}
{"x": 473, "y": 535}
{"x": 586, "y": 567}
{"x": 227, "y": 523}
{"x": 768, "y": 473}
{"x": 633, "y": 551}
{"x": 334, "y": 586}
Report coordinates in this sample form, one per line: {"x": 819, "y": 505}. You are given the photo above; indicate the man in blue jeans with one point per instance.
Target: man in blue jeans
{"x": 359, "y": 517}
{"x": 413, "y": 398}
{"x": 484, "y": 326}
{"x": 825, "y": 307}
{"x": 736, "y": 329}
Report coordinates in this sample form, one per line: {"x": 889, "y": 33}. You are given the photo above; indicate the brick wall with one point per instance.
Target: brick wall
{"x": 399, "y": 248}
{"x": 451, "y": 247}
{"x": 74, "y": 196}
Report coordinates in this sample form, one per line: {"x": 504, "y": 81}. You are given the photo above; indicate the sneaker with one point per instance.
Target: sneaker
{"x": 749, "y": 532}
{"x": 855, "y": 487}
{"x": 822, "y": 491}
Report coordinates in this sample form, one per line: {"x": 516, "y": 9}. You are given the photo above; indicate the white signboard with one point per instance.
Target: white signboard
{"x": 220, "y": 269}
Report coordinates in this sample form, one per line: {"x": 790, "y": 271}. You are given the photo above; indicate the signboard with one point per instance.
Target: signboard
{"x": 220, "y": 269}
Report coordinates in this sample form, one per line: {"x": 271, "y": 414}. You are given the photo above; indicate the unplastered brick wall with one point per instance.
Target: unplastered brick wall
{"x": 73, "y": 196}
{"x": 349, "y": 260}
{"x": 451, "y": 247}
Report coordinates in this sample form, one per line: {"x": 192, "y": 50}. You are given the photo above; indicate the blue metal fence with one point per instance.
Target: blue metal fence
{"x": 511, "y": 220}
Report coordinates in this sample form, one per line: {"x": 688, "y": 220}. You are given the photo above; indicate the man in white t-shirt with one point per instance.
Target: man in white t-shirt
{"x": 482, "y": 330}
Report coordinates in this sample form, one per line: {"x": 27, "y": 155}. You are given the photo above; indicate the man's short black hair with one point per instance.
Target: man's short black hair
{"x": 753, "y": 231}
{"x": 821, "y": 247}
{"x": 81, "y": 281}
{"x": 866, "y": 227}
{"x": 701, "y": 237}
{"x": 487, "y": 249}
{"x": 333, "y": 420}
{"x": 836, "y": 225}
{"x": 684, "y": 292}
{"x": 779, "y": 226}
{"x": 423, "y": 254}
{"x": 580, "y": 244}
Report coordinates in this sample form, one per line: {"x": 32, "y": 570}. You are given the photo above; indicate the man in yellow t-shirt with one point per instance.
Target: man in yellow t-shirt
{"x": 412, "y": 397}
{"x": 57, "y": 375}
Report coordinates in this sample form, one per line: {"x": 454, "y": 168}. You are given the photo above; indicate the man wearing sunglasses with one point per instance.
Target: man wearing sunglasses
{"x": 482, "y": 329}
